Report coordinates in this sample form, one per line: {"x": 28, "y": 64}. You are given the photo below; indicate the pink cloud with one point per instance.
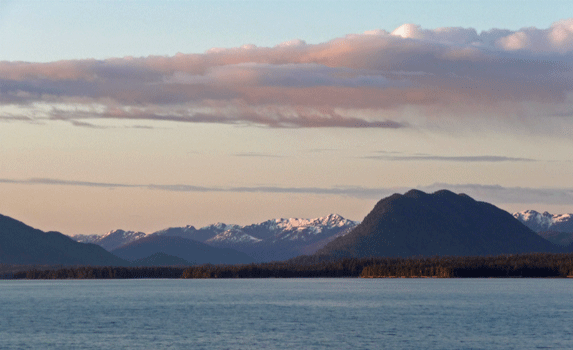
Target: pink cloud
{"x": 435, "y": 72}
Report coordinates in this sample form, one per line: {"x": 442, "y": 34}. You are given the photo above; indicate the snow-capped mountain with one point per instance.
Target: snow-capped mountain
{"x": 292, "y": 229}
{"x": 295, "y": 229}
{"x": 275, "y": 230}
{"x": 557, "y": 229}
{"x": 275, "y": 239}
{"x": 539, "y": 222}
{"x": 111, "y": 240}
{"x": 201, "y": 235}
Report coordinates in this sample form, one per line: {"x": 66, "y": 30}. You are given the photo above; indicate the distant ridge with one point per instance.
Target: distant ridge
{"x": 271, "y": 240}
{"x": 437, "y": 224}
{"x": 22, "y": 244}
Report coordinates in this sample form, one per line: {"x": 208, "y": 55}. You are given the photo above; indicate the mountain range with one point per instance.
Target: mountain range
{"x": 410, "y": 224}
{"x": 276, "y": 239}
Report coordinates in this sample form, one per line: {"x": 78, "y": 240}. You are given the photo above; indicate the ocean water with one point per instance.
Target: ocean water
{"x": 287, "y": 314}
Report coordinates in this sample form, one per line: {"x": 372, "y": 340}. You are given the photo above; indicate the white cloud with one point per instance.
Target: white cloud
{"x": 557, "y": 39}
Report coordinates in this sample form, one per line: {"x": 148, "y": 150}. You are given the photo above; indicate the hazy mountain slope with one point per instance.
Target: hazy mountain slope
{"x": 192, "y": 251}
{"x": 22, "y": 244}
{"x": 161, "y": 259}
{"x": 563, "y": 239}
{"x": 314, "y": 247}
{"x": 86, "y": 238}
{"x": 442, "y": 223}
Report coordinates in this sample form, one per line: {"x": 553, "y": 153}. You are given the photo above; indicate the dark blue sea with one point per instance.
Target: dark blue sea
{"x": 287, "y": 314}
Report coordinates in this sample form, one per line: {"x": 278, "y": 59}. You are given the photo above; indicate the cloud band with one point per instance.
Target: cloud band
{"x": 490, "y": 193}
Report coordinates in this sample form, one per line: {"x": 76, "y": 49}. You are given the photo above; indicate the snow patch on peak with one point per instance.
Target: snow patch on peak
{"x": 220, "y": 227}
{"x": 86, "y": 238}
{"x": 330, "y": 221}
{"x": 545, "y": 222}
{"x": 334, "y": 220}
{"x": 170, "y": 230}
{"x": 233, "y": 236}
{"x": 562, "y": 217}
{"x": 296, "y": 229}
{"x": 124, "y": 234}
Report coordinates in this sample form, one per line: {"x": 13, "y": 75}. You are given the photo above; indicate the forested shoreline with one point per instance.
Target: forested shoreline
{"x": 97, "y": 272}
{"x": 520, "y": 265}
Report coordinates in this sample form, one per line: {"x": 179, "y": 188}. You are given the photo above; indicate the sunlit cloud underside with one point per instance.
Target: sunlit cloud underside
{"x": 376, "y": 79}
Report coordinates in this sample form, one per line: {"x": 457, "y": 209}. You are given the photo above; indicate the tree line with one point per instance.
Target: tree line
{"x": 519, "y": 265}
{"x": 98, "y": 272}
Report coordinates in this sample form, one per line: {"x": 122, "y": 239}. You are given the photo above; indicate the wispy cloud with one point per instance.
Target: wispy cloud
{"x": 500, "y": 194}
{"x": 258, "y": 155}
{"x": 48, "y": 181}
{"x": 489, "y": 193}
{"x": 429, "y": 157}
{"x": 322, "y": 150}
{"x": 372, "y": 80}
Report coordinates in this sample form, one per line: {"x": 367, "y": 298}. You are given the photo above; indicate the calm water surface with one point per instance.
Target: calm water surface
{"x": 287, "y": 314}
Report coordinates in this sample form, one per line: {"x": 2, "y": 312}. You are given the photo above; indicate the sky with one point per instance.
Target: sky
{"x": 153, "y": 114}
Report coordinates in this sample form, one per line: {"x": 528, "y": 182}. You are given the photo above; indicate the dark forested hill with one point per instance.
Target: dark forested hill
{"x": 22, "y": 244}
{"x": 441, "y": 223}
{"x": 187, "y": 249}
